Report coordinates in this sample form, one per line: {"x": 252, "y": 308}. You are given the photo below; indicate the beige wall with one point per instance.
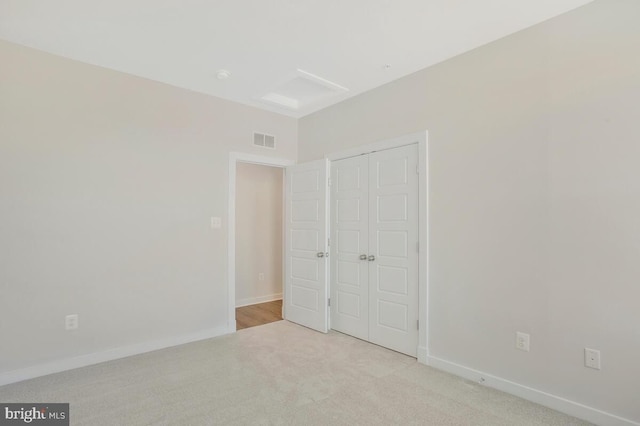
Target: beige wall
{"x": 259, "y": 218}
{"x": 107, "y": 186}
{"x": 108, "y": 182}
{"x": 534, "y": 198}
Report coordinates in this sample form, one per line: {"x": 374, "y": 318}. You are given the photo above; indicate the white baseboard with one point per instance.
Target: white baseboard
{"x": 108, "y": 355}
{"x": 262, "y": 299}
{"x": 423, "y": 355}
{"x": 548, "y": 400}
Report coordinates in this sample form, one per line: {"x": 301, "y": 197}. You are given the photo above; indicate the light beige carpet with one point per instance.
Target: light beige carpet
{"x": 280, "y": 374}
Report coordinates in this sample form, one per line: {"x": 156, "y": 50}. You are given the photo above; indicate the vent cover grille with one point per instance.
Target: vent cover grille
{"x": 264, "y": 140}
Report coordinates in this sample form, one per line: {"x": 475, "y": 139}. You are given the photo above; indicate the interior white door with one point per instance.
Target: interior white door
{"x": 374, "y": 238}
{"x": 393, "y": 249}
{"x": 306, "y": 248}
{"x": 349, "y": 242}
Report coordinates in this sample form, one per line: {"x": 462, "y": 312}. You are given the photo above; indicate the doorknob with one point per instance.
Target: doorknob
{"x": 320, "y": 254}
{"x": 371, "y": 258}
{"x": 363, "y": 257}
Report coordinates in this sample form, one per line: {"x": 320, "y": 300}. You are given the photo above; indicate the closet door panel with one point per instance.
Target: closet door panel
{"x": 393, "y": 243}
{"x": 349, "y": 241}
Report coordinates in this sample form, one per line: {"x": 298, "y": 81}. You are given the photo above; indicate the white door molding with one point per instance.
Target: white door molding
{"x": 234, "y": 159}
{"x": 421, "y": 138}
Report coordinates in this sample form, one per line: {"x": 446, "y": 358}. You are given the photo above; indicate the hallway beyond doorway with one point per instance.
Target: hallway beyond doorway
{"x": 258, "y": 314}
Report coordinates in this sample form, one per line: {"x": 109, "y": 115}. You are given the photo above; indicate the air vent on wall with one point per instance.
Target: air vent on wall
{"x": 264, "y": 140}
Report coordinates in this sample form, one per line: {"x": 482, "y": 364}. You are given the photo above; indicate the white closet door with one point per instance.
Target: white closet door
{"x": 306, "y": 245}
{"x": 349, "y": 242}
{"x": 393, "y": 241}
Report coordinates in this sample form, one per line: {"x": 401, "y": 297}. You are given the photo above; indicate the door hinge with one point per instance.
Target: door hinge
{"x": 328, "y": 242}
{"x": 418, "y": 324}
{"x": 329, "y": 302}
{"x": 329, "y": 181}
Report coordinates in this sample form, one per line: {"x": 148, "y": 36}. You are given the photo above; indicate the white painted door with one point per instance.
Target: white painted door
{"x": 306, "y": 248}
{"x": 374, "y": 238}
{"x": 393, "y": 249}
{"x": 349, "y": 242}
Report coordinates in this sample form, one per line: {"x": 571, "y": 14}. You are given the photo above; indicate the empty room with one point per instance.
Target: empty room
{"x": 435, "y": 203}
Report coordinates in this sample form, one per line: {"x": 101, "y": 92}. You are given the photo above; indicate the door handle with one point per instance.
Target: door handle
{"x": 321, "y": 254}
{"x": 363, "y": 257}
{"x": 371, "y": 258}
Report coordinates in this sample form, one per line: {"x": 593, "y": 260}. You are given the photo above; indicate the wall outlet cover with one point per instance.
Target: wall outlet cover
{"x": 216, "y": 222}
{"x": 592, "y": 358}
{"x": 71, "y": 322}
{"x": 522, "y": 341}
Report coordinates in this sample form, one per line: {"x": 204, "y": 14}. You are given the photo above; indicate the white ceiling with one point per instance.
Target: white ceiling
{"x": 263, "y": 43}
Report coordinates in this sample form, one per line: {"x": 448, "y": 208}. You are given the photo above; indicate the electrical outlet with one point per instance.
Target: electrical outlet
{"x": 71, "y": 322}
{"x": 261, "y": 276}
{"x": 522, "y": 341}
{"x": 216, "y": 222}
{"x": 592, "y": 358}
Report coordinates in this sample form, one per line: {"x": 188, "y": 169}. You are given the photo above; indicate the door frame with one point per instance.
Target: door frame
{"x": 234, "y": 159}
{"x": 421, "y": 139}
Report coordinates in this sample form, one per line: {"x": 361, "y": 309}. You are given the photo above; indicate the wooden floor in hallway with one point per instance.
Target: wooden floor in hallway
{"x": 258, "y": 314}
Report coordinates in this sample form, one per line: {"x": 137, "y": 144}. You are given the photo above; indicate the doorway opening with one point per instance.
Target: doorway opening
{"x": 256, "y": 239}
{"x": 259, "y": 213}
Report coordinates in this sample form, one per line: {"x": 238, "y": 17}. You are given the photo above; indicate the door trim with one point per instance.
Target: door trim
{"x": 420, "y": 138}
{"x": 234, "y": 159}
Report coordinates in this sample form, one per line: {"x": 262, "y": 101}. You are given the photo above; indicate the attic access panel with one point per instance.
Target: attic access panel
{"x": 302, "y": 89}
